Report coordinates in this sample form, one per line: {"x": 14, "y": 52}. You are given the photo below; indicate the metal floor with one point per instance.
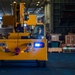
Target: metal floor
{"x": 57, "y": 64}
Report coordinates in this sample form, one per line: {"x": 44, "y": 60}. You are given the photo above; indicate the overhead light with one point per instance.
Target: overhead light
{"x": 25, "y": 25}
{"x": 36, "y": 11}
{"x": 38, "y": 2}
{"x": 11, "y": 4}
{"x": 14, "y": 2}
{"x": 28, "y": 12}
{"x": 41, "y": 7}
{"x": 24, "y": 3}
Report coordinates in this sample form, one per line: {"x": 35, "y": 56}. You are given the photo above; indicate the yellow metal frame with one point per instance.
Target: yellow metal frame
{"x": 34, "y": 54}
{"x": 15, "y": 35}
{"x": 14, "y": 40}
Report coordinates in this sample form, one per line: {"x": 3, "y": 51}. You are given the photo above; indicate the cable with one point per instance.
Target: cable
{"x": 17, "y": 38}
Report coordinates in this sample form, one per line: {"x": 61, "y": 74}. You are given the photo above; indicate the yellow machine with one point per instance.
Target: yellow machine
{"x": 20, "y": 45}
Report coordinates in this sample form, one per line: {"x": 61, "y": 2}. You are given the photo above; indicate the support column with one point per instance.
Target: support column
{"x": 48, "y": 14}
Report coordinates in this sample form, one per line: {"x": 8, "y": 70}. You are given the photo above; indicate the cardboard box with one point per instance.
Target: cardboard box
{"x": 54, "y": 37}
{"x": 70, "y": 39}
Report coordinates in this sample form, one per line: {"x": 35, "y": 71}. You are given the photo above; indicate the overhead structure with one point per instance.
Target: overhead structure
{"x": 30, "y": 4}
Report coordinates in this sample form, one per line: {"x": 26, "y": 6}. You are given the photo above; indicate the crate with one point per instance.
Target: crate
{"x": 55, "y": 37}
{"x": 63, "y": 45}
{"x": 70, "y": 39}
{"x": 54, "y": 44}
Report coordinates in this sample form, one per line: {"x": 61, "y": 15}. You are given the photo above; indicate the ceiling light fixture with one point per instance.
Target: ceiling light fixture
{"x": 41, "y": 7}
{"x": 24, "y": 3}
{"x": 11, "y": 4}
{"x": 38, "y": 2}
{"x": 14, "y": 2}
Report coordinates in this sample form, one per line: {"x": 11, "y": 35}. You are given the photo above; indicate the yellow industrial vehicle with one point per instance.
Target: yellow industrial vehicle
{"x": 20, "y": 45}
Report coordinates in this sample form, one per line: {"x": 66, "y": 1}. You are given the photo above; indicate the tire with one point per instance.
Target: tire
{"x": 41, "y": 63}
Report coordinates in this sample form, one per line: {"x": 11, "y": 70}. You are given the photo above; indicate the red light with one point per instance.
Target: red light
{"x": 40, "y": 44}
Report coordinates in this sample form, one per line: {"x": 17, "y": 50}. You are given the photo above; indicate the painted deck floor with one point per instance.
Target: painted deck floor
{"x": 57, "y": 64}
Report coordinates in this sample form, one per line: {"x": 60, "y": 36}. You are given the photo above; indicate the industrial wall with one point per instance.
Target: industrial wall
{"x": 64, "y": 16}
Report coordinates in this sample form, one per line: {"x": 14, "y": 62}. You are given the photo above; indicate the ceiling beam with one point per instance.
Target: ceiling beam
{"x": 29, "y": 5}
{"x": 2, "y": 8}
{"x": 38, "y": 5}
{"x": 10, "y": 6}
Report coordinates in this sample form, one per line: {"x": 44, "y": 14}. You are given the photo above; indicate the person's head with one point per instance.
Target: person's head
{"x": 39, "y": 30}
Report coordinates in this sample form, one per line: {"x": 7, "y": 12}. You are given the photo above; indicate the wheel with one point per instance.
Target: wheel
{"x": 41, "y": 63}
{"x": 38, "y": 64}
{"x": 2, "y": 61}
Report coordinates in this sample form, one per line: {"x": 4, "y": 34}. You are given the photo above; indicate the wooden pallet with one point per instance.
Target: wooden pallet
{"x": 68, "y": 51}
{"x": 54, "y": 50}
